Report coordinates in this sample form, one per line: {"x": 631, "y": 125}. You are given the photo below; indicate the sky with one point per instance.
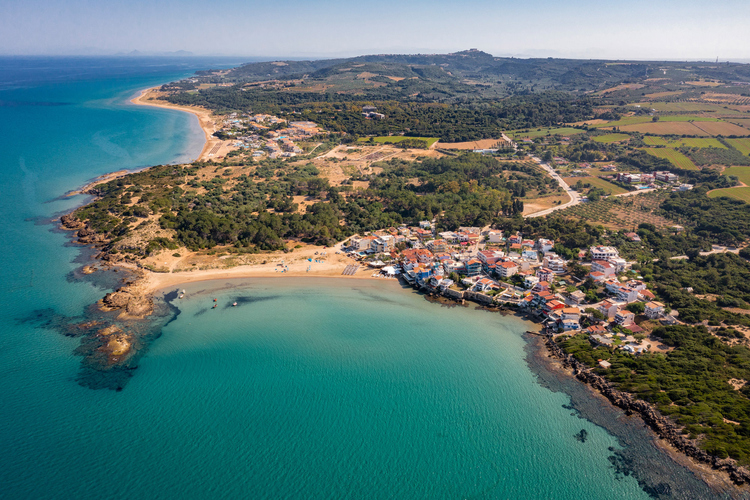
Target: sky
{"x": 603, "y": 29}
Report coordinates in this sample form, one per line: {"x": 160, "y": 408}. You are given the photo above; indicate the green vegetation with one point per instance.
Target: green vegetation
{"x": 609, "y": 138}
{"x": 396, "y": 139}
{"x": 738, "y": 193}
{"x": 675, "y": 157}
{"x": 543, "y": 132}
{"x": 636, "y": 120}
{"x": 741, "y": 145}
{"x": 691, "y": 383}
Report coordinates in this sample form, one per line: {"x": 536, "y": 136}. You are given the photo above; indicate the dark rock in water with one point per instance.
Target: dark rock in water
{"x": 582, "y": 436}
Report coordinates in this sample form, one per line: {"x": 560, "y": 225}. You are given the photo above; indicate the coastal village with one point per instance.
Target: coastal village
{"x": 496, "y": 269}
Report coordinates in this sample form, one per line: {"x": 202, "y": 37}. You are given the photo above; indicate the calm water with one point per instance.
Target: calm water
{"x": 308, "y": 389}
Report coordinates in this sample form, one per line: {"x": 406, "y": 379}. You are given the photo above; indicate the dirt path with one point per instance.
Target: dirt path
{"x": 575, "y": 198}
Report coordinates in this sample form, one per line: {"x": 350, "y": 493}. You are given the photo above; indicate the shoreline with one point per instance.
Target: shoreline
{"x": 205, "y": 118}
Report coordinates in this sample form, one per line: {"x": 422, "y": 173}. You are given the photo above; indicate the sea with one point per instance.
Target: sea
{"x": 307, "y": 389}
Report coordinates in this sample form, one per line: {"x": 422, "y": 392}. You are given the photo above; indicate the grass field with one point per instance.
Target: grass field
{"x": 738, "y": 193}
{"x": 677, "y": 159}
{"x": 603, "y": 184}
{"x": 741, "y": 145}
{"x": 399, "y": 138}
{"x": 610, "y": 138}
{"x": 532, "y": 134}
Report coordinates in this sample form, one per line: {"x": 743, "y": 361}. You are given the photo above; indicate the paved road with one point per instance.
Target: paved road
{"x": 575, "y": 198}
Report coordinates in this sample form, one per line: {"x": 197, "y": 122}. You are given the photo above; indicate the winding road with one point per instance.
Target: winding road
{"x": 575, "y": 198}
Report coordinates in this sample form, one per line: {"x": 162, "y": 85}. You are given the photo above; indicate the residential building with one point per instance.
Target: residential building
{"x": 554, "y": 263}
{"x": 506, "y": 269}
{"x": 654, "y": 310}
{"x": 607, "y": 308}
{"x": 624, "y": 318}
{"x": 530, "y": 281}
{"x": 627, "y": 294}
{"x": 604, "y": 267}
{"x": 544, "y": 245}
{"x": 603, "y": 253}
{"x": 473, "y": 267}
{"x": 545, "y": 274}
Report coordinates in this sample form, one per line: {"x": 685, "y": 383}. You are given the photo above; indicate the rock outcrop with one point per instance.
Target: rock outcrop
{"x": 129, "y": 299}
{"x": 662, "y": 426}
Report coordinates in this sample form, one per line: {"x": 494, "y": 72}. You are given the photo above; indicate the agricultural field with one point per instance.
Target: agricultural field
{"x": 677, "y": 159}
{"x": 668, "y": 128}
{"x": 742, "y": 173}
{"x": 543, "y": 132}
{"x": 398, "y": 138}
{"x": 622, "y": 212}
{"x": 741, "y": 145}
{"x": 688, "y": 107}
{"x": 598, "y": 182}
{"x": 690, "y": 142}
{"x": 738, "y": 193}
{"x": 636, "y": 120}
{"x": 610, "y": 138}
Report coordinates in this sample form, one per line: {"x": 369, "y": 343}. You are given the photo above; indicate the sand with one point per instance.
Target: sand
{"x": 206, "y": 120}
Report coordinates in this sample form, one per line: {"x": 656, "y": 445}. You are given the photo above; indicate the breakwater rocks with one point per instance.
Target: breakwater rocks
{"x": 661, "y": 425}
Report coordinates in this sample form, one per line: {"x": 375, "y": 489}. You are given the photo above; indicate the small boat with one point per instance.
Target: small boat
{"x": 181, "y": 296}
{"x": 214, "y": 300}
{"x": 214, "y": 307}
{"x": 234, "y": 305}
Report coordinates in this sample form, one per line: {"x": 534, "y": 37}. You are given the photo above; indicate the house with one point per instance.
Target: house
{"x": 473, "y": 267}
{"x": 633, "y": 237}
{"x": 627, "y": 294}
{"x": 438, "y": 246}
{"x": 596, "y": 330}
{"x": 597, "y": 276}
{"x": 603, "y": 253}
{"x": 607, "y": 308}
{"x": 569, "y": 325}
{"x": 383, "y": 244}
{"x": 544, "y": 245}
{"x": 552, "y": 305}
{"x": 577, "y": 297}
{"x": 571, "y": 313}
{"x": 495, "y": 236}
{"x": 624, "y": 318}
{"x": 619, "y": 263}
{"x": 530, "y": 281}
{"x": 654, "y": 310}
{"x": 554, "y": 263}
{"x": 449, "y": 236}
{"x": 604, "y": 267}
{"x": 685, "y": 187}
{"x": 530, "y": 255}
{"x": 541, "y": 286}
{"x": 545, "y": 274}
{"x": 506, "y": 269}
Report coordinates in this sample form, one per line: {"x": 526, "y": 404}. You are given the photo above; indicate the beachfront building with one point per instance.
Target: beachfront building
{"x": 473, "y": 267}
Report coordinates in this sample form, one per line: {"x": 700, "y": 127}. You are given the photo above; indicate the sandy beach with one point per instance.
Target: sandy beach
{"x": 213, "y": 146}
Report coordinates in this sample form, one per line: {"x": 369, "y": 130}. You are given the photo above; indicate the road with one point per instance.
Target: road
{"x": 575, "y": 198}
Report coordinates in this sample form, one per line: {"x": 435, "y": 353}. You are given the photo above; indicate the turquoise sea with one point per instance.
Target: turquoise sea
{"x": 310, "y": 388}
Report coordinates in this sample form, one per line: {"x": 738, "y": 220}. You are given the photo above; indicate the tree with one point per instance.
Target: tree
{"x": 636, "y": 307}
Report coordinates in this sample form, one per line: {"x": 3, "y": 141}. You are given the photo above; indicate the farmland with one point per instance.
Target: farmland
{"x": 610, "y": 138}
{"x": 597, "y": 182}
{"x": 635, "y": 120}
{"x": 622, "y": 213}
{"x": 741, "y": 145}
{"x": 742, "y": 173}
{"x": 677, "y": 159}
{"x": 688, "y": 142}
{"x": 738, "y": 193}
{"x": 542, "y": 132}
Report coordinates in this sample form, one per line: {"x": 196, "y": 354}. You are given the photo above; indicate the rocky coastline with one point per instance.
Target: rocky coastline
{"x": 661, "y": 425}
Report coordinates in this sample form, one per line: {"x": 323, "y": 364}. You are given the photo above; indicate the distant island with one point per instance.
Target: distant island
{"x": 606, "y": 200}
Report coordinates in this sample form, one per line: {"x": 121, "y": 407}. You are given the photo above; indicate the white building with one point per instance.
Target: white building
{"x": 603, "y": 253}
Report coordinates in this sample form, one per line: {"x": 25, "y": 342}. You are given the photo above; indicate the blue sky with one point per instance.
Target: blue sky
{"x": 656, "y": 29}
